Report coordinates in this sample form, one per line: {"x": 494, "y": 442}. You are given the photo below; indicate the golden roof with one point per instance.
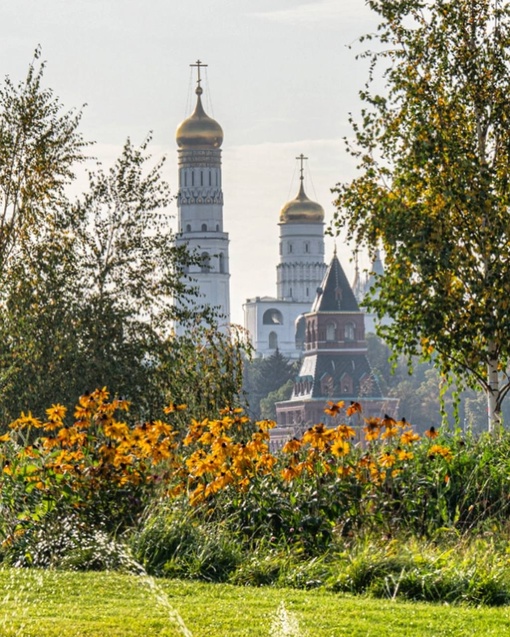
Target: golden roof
{"x": 199, "y": 130}
{"x": 301, "y": 209}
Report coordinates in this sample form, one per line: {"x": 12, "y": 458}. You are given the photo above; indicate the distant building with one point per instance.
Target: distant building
{"x": 361, "y": 287}
{"x": 334, "y": 365}
{"x": 272, "y": 322}
{"x": 200, "y": 206}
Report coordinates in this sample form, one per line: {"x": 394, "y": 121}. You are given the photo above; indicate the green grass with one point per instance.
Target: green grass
{"x": 50, "y": 604}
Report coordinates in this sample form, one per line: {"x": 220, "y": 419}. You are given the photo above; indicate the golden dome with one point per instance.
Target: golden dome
{"x": 199, "y": 130}
{"x": 302, "y": 210}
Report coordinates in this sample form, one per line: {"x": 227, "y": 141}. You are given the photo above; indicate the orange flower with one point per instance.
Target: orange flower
{"x": 432, "y": 433}
{"x": 174, "y": 407}
{"x": 292, "y": 446}
{"x": 408, "y": 437}
{"x": 344, "y": 431}
{"x": 372, "y": 428}
{"x": 333, "y": 409}
{"x": 354, "y": 408}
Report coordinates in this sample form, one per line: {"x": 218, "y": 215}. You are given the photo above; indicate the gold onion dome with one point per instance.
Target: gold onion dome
{"x": 302, "y": 210}
{"x": 199, "y": 130}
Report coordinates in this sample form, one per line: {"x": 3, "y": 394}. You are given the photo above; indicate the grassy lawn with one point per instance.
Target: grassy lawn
{"x": 49, "y": 604}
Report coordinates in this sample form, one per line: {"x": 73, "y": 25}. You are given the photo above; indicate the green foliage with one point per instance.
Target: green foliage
{"x": 433, "y": 189}
{"x": 268, "y": 404}
{"x": 262, "y": 377}
{"x": 40, "y": 146}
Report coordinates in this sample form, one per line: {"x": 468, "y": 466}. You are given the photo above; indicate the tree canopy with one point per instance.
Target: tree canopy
{"x": 88, "y": 287}
{"x": 433, "y": 187}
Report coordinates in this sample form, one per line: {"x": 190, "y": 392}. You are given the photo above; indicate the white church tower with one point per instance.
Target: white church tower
{"x": 200, "y": 205}
{"x": 277, "y": 323}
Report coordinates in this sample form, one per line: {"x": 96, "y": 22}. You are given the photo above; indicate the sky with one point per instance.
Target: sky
{"x": 282, "y": 78}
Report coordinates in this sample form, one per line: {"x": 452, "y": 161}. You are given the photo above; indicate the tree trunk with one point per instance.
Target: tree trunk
{"x": 493, "y": 407}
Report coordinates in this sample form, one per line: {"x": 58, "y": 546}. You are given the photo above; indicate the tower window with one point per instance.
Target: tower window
{"x": 273, "y": 340}
{"x": 290, "y": 248}
{"x": 350, "y": 332}
{"x": 210, "y": 178}
{"x": 185, "y": 178}
{"x": 201, "y": 177}
{"x": 188, "y": 228}
{"x": 192, "y": 177}
{"x": 272, "y": 317}
{"x": 330, "y": 332}
{"x": 221, "y": 259}
{"x": 307, "y": 247}
{"x": 205, "y": 262}
{"x": 204, "y": 227}
{"x": 217, "y": 227}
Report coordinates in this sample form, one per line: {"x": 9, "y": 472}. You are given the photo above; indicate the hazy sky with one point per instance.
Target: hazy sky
{"x": 281, "y": 80}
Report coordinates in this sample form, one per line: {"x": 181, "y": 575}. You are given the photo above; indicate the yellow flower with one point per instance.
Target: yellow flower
{"x": 409, "y": 437}
{"x": 404, "y": 455}
{"x": 289, "y": 473}
{"x": 56, "y": 412}
{"x": 439, "y": 450}
{"x": 5, "y": 437}
{"x": 372, "y": 428}
{"x": 387, "y": 459}
{"x": 340, "y": 448}
{"x": 292, "y": 446}
{"x": 265, "y": 425}
{"x": 318, "y": 436}
{"x": 344, "y": 431}
{"x": 174, "y": 407}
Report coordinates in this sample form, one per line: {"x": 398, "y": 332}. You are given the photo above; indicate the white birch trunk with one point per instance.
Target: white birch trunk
{"x": 493, "y": 412}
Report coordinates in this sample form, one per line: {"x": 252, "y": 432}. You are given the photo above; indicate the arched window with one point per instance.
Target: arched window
{"x": 188, "y": 227}
{"x": 210, "y": 181}
{"x": 205, "y": 264}
{"x": 331, "y": 332}
{"x": 273, "y": 340}
{"x": 350, "y": 332}
{"x": 192, "y": 177}
{"x": 307, "y": 247}
{"x": 346, "y": 384}
{"x": 217, "y": 227}
{"x": 290, "y": 248}
{"x": 221, "y": 260}
{"x": 272, "y": 317}
{"x": 204, "y": 227}
{"x": 201, "y": 177}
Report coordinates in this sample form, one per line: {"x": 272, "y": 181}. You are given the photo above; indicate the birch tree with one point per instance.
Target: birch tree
{"x": 433, "y": 184}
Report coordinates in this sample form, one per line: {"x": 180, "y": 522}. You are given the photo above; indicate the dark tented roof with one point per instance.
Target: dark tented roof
{"x": 335, "y": 293}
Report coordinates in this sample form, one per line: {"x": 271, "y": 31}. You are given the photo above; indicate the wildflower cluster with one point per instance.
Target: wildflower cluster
{"x": 99, "y": 458}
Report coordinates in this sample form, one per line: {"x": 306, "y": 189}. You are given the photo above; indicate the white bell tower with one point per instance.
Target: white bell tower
{"x": 200, "y": 205}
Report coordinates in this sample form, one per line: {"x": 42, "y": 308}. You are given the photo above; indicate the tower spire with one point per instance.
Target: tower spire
{"x": 301, "y": 158}
{"x": 199, "y": 64}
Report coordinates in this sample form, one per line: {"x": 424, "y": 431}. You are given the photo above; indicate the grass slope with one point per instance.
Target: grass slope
{"x": 50, "y": 604}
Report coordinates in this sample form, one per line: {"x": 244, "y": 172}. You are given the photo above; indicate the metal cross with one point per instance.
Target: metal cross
{"x": 302, "y": 159}
{"x": 199, "y": 65}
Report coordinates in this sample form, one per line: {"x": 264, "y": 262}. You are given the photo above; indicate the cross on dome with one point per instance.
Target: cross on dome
{"x": 301, "y": 158}
{"x": 198, "y": 64}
